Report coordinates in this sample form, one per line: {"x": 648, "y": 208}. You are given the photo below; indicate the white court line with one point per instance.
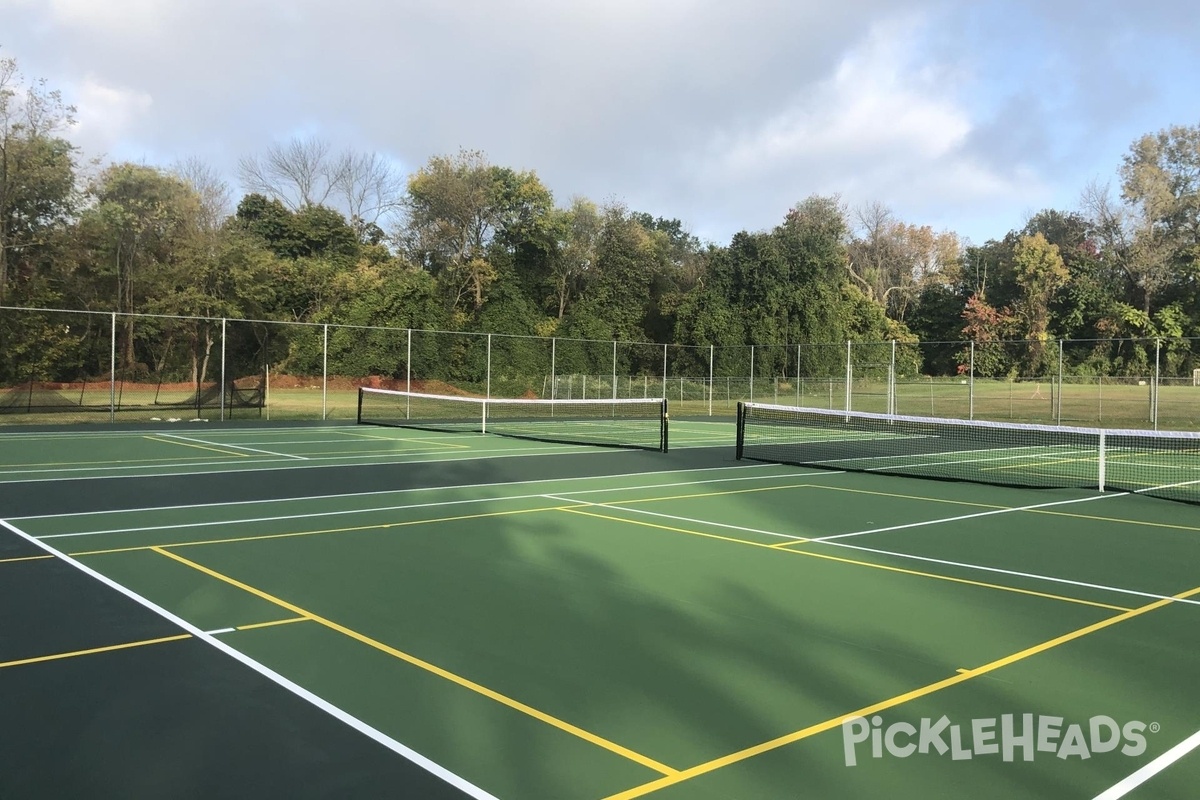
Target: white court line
{"x": 427, "y": 489}
{"x": 674, "y": 518}
{"x": 194, "y": 440}
{"x": 977, "y": 514}
{"x": 216, "y": 631}
{"x": 312, "y": 463}
{"x": 442, "y": 503}
{"x": 943, "y": 562}
{"x": 334, "y": 711}
{"x": 1148, "y": 771}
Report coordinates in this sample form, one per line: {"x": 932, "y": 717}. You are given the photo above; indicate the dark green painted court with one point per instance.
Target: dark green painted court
{"x": 353, "y": 611}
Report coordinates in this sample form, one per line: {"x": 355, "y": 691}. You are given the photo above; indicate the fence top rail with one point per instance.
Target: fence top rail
{"x": 744, "y": 347}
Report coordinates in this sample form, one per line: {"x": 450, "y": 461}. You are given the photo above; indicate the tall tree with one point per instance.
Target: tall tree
{"x": 37, "y": 168}
{"x": 458, "y": 207}
{"x": 140, "y": 222}
{"x": 1040, "y": 273}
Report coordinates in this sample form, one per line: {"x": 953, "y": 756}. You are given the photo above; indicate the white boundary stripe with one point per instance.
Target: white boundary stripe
{"x": 1148, "y": 771}
{"x": 215, "y": 631}
{"x": 674, "y": 518}
{"x": 343, "y": 716}
{"x": 959, "y": 564}
{"x": 990, "y": 513}
{"x": 228, "y": 445}
{"x": 323, "y": 462}
{"x": 357, "y": 460}
{"x": 384, "y": 509}
{"x": 415, "y": 489}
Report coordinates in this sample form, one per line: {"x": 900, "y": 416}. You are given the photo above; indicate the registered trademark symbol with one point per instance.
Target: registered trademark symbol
{"x": 1155, "y": 727}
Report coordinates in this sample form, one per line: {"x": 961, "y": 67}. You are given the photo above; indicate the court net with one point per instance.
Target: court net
{"x": 1159, "y": 463}
{"x": 639, "y": 423}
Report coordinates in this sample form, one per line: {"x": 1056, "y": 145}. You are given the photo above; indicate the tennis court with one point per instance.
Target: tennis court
{"x": 200, "y": 610}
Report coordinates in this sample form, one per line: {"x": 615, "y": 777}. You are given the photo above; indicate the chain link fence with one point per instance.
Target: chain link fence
{"x": 72, "y": 366}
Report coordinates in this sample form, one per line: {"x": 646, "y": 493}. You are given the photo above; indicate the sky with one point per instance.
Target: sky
{"x": 965, "y": 116}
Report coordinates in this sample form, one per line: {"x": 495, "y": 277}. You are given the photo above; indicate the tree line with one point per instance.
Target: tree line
{"x": 466, "y": 245}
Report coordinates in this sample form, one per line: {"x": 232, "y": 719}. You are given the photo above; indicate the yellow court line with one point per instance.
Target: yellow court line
{"x": 883, "y": 705}
{"x": 780, "y": 548}
{"x": 428, "y": 667}
{"x": 271, "y": 624}
{"x": 906, "y": 496}
{"x": 323, "y": 532}
{"x": 699, "y": 494}
{"x": 407, "y": 440}
{"x": 197, "y": 446}
{"x": 108, "y": 649}
{"x": 24, "y": 558}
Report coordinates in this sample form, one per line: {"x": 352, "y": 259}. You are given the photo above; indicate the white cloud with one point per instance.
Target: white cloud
{"x": 108, "y": 115}
{"x": 886, "y": 124}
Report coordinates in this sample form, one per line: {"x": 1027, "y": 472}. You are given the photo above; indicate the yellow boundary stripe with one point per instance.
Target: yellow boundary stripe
{"x": 883, "y": 705}
{"x": 272, "y": 624}
{"x": 197, "y": 446}
{"x": 781, "y": 548}
{"x": 414, "y": 440}
{"x": 108, "y": 649}
{"x": 466, "y": 683}
{"x": 24, "y": 558}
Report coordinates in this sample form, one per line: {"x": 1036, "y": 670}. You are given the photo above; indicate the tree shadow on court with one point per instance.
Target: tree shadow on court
{"x": 686, "y": 649}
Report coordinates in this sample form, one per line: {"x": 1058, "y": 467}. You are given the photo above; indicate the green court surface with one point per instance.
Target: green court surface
{"x": 400, "y": 613}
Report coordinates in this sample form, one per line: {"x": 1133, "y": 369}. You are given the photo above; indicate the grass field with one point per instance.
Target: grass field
{"x": 1086, "y": 402}
{"x": 331, "y": 611}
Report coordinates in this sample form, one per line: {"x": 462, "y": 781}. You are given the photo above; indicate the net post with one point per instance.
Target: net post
{"x": 1102, "y": 462}
{"x": 222, "y": 391}
{"x": 741, "y": 429}
{"x": 408, "y": 375}
{"x": 325, "y": 371}
{"x": 710, "y": 379}
{"x": 665, "y": 429}
{"x": 112, "y": 371}
{"x": 359, "y": 418}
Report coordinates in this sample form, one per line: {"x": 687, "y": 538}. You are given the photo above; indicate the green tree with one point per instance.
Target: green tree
{"x": 37, "y": 169}
{"x": 1039, "y": 271}
{"x": 458, "y": 206}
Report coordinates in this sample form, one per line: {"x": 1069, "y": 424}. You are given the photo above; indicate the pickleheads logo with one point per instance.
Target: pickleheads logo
{"x": 1006, "y": 737}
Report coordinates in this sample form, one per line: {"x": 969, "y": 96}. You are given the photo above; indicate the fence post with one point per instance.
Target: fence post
{"x": 664, "y": 388}
{"x": 488, "y": 392}
{"x": 614, "y": 370}
{"x": 112, "y": 371}
{"x": 798, "y": 382}
{"x": 710, "y": 379}
{"x": 751, "y": 373}
{"x": 971, "y": 384}
{"x": 849, "y": 377}
{"x": 1058, "y": 396}
{"x": 891, "y": 399}
{"x": 325, "y": 372}
{"x": 553, "y": 366}
{"x": 221, "y": 393}
{"x": 1154, "y": 384}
